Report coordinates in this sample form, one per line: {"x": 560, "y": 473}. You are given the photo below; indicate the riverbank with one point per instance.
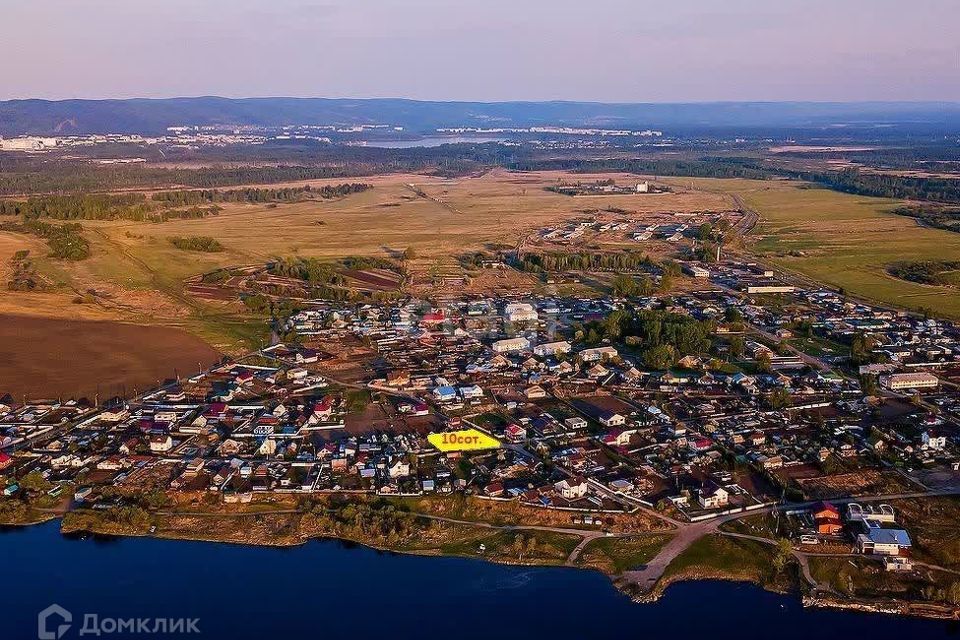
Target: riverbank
{"x": 385, "y": 526}
{"x": 331, "y": 588}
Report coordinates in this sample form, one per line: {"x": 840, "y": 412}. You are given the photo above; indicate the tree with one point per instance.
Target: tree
{"x": 861, "y": 349}
{"x": 34, "y": 481}
{"x": 705, "y": 232}
{"x": 737, "y": 346}
{"x": 660, "y": 357}
{"x": 779, "y": 399}
{"x": 784, "y": 551}
{"x": 732, "y": 314}
{"x": 624, "y": 286}
{"x": 763, "y": 361}
{"x": 868, "y": 384}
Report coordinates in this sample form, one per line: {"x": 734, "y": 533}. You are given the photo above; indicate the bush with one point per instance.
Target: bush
{"x": 205, "y": 244}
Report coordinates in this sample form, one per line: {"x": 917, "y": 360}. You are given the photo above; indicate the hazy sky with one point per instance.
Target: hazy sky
{"x": 604, "y": 50}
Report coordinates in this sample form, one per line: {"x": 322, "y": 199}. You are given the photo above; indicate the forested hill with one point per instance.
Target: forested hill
{"x": 153, "y": 116}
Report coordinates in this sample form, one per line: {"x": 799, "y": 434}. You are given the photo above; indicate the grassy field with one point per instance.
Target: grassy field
{"x": 616, "y": 555}
{"x": 136, "y": 274}
{"x": 843, "y": 240}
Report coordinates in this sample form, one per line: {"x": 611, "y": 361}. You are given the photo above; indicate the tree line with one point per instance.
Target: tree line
{"x": 255, "y": 195}
{"x": 584, "y": 261}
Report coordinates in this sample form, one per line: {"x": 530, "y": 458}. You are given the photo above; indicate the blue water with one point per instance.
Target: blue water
{"x": 331, "y": 590}
{"x": 430, "y": 141}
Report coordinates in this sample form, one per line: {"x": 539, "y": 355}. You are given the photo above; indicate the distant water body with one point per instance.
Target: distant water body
{"x": 328, "y": 589}
{"x": 429, "y": 141}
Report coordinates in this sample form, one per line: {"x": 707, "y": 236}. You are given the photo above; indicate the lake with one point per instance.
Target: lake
{"x": 328, "y": 589}
{"x": 428, "y": 141}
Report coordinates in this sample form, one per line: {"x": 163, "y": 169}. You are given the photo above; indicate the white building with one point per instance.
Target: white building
{"x": 934, "y": 440}
{"x": 572, "y": 488}
{"x": 598, "y": 353}
{"x": 520, "y": 312}
{"x": 511, "y": 344}
{"x": 714, "y": 498}
{"x": 552, "y": 348}
{"x": 915, "y": 380}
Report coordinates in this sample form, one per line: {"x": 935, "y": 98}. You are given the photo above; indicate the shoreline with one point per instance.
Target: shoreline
{"x": 921, "y": 610}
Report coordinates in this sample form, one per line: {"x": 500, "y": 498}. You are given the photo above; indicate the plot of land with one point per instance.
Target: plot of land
{"x": 47, "y": 358}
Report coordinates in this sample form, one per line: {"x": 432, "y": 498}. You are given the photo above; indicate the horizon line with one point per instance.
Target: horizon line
{"x": 482, "y": 101}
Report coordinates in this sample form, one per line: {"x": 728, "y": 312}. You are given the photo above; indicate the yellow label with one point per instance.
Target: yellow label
{"x": 466, "y": 440}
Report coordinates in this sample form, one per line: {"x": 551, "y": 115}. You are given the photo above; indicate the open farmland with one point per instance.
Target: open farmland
{"x": 844, "y": 240}
{"x": 135, "y": 273}
{"x": 47, "y": 358}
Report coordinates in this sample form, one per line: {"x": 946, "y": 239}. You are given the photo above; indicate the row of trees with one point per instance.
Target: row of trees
{"x": 185, "y": 197}
{"x": 585, "y": 261}
{"x": 888, "y": 185}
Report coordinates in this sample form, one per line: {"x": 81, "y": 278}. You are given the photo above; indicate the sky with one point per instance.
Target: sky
{"x": 488, "y": 50}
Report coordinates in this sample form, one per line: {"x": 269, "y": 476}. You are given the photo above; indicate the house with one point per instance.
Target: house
{"x": 571, "y": 488}
{"x": 471, "y": 392}
{"x": 826, "y": 517}
{"x": 398, "y": 378}
{"x": 576, "y": 423}
{"x": 713, "y": 498}
{"x": 611, "y": 419}
{"x": 597, "y": 354}
{"x": 700, "y": 444}
{"x": 323, "y": 409}
{"x": 618, "y": 437}
{"x": 520, "y": 312}
{"x": 399, "y": 469}
{"x": 885, "y": 542}
{"x": 515, "y": 433}
{"x": 444, "y": 394}
{"x": 511, "y": 345}
{"x": 161, "y": 443}
{"x": 535, "y": 392}
{"x": 933, "y": 440}
{"x": 913, "y": 380}
{"x": 552, "y": 348}
{"x": 5, "y": 461}
{"x": 597, "y": 371}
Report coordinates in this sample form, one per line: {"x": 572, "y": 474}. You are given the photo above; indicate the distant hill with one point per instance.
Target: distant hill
{"x": 153, "y": 116}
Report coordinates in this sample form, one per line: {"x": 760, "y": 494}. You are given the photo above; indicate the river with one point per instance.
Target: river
{"x": 332, "y": 590}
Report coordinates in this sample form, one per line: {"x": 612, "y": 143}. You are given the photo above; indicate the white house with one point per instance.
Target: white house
{"x": 933, "y": 440}
{"x": 713, "y": 498}
{"x": 471, "y": 392}
{"x": 552, "y": 348}
{"x": 161, "y": 443}
{"x": 612, "y": 419}
{"x": 520, "y": 312}
{"x": 598, "y": 353}
{"x": 510, "y": 345}
{"x": 571, "y": 488}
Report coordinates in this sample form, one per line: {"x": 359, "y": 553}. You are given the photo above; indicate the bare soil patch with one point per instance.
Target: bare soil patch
{"x": 49, "y": 358}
